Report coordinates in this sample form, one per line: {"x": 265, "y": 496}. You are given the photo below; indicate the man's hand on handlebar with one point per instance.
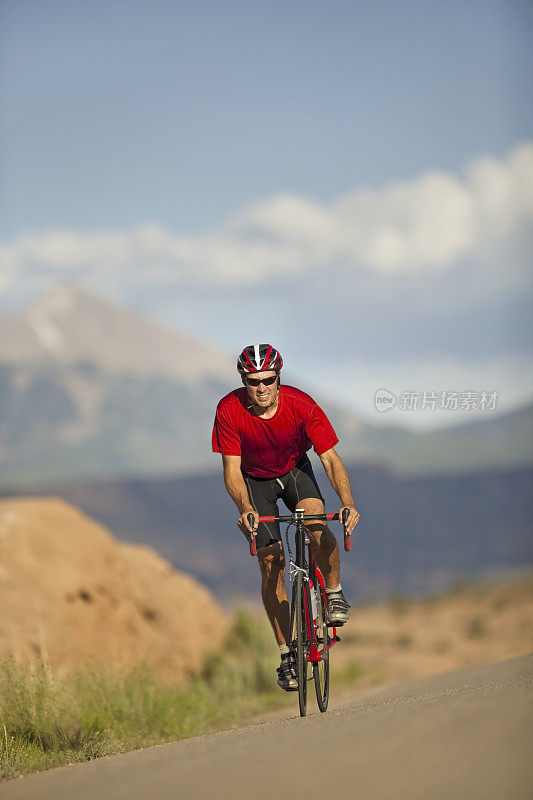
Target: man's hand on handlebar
{"x": 353, "y": 517}
{"x": 244, "y": 524}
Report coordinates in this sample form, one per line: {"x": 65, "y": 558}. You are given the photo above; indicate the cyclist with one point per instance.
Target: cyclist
{"x": 263, "y": 432}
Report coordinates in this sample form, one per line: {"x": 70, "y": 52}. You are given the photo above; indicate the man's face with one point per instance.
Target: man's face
{"x": 262, "y": 395}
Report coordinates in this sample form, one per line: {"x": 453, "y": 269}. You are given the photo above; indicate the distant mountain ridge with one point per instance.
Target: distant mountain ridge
{"x": 416, "y": 534}
{"x": 73, "y": 326}
{"x": 89, "y": 389}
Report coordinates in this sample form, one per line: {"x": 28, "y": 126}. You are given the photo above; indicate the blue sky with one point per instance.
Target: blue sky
{"x": 367, "y": 164}
{"x": 120, "y": 113}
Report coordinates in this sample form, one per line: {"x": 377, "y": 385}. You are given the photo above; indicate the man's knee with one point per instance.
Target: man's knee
{"x": 271, "y": 559}
{"x": 314, "y": 528}
{"x": 321, "y": 536}
{"x": 312, "y": 505}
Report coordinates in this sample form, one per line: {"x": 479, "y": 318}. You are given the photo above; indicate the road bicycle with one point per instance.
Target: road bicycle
{"x": 312, "y": 637}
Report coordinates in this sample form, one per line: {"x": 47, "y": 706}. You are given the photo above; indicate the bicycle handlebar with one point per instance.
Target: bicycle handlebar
{"x": 300, "y": 517}
{"x": 305, "y": 517}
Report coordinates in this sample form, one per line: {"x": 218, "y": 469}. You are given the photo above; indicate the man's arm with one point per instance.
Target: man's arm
{"x": 338, "y": 477}
{"x": 237, "y": 490}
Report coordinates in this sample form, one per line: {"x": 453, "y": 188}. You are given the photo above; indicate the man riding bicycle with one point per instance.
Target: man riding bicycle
{"x": 263, "y": 432}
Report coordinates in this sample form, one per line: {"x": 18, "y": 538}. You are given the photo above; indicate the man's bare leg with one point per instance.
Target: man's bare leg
{"x": 272, "y": 565}
{"x": 323, "y": 543}
{"x": 326, "y": 552}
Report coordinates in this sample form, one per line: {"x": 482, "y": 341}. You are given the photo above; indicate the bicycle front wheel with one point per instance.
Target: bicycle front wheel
{"x": 321, "y": 668}
{"x": 301, "y": 642}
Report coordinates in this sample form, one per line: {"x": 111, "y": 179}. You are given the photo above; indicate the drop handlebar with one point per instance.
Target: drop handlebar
{"x": 300, "y": 517}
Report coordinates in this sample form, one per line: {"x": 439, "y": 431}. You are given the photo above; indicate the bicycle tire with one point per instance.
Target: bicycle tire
{"x": 301, "y": 643}
{"x": 321, "y": 668}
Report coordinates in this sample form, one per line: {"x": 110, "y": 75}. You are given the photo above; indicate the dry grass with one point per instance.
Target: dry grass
{"x": 48, "y": 719}
{"x": 471, "y": 624}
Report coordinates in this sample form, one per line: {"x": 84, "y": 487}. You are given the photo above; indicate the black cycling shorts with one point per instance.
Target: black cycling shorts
{"x": 296, "y": 485}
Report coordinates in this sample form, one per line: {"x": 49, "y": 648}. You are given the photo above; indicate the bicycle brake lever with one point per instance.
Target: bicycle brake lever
{"x": 253, "y": 547}
{"x": 347, "y": 536}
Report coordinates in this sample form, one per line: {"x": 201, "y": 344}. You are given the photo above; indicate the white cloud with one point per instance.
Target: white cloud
{"x": 423, "y": 225}
{"x": 428, "y": 225}
{"x": 509, "y": 376}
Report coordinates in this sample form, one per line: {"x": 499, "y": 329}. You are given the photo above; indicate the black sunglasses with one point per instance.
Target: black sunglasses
{"x": 257, "y": 381}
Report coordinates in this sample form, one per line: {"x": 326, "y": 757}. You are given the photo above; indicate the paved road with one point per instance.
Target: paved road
{"x": 466, "y": 734}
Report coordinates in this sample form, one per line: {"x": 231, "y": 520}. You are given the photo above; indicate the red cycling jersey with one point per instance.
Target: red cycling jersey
{"x": 271, "y": 447}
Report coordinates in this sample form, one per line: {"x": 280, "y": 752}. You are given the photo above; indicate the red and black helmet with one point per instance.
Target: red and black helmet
{"x": 259, "y": 358}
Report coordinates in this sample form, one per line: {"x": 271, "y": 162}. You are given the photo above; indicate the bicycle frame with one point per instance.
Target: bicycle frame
{"x": 316, "y": 581}
{"x": 307, "y": 622}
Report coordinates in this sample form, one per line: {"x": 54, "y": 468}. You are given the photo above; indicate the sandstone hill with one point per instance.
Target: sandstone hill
{"x": 71, "y": 595}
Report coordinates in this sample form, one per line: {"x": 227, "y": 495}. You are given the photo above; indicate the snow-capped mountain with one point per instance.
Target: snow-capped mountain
{"x": 69, "y": 326}
{"x": 89, "y": 389}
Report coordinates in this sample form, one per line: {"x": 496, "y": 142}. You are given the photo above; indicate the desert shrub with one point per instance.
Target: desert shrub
{"x": 404, "y": 640}
{"x": 476, "y": 628}
{"x": 350, "y": 675}
{"x": 399, "y": 605}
